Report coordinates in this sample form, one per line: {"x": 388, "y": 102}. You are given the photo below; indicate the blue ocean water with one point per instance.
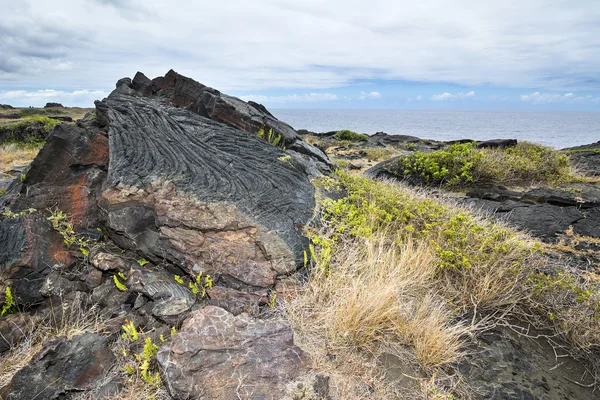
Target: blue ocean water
{"x": 552, "y": 128}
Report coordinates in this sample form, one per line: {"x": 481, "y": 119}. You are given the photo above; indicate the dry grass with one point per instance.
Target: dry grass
{"x": 72, "y": 319}
{"x": 67, "y": 320}
{"x": 381, "y": 153}
{"x": 13, "y": 154}
{"x": 396, "y": 271}
{"x": 376, "y": 298}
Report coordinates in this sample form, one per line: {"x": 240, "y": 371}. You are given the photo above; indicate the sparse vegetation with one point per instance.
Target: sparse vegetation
{"x": 591, "y": 150}
{"x": 270, "y": 136}
{"x": 380, "y": 153}
{"x": 397, "y": 271}
{"x": 464, "y": 164}
{"x": 68, "y": 320}
{"x": 17, "y": 154}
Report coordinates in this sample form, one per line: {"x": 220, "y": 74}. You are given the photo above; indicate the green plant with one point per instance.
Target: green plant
{"x": 575, "y": 151}
{"x": 143, "y": 362}
{"x": 270, "y": 136}
{"x": 118, "y": 284}
{"x": 142, "y": 262}
{"x": 285, "y": 159}
{"x": 464, "y": 164}
{"x": 10, "y": 306}
{"x": 130, "y": 332}
{"x": 272, "y": 301}
{"x": 60, "y": 222}
{"x": 410, "y": 146}
{"x": 146, "y": 359}
{"x": 17, "y": 131}
{"x": 13, "y": 215}
{"x": 351, "y": 136}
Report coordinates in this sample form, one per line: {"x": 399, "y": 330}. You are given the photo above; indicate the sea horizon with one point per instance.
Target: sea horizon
{"x": 558, "y": 129}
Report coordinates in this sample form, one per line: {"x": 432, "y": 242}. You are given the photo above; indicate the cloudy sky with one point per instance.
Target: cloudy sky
{"x": 426, "y": 54}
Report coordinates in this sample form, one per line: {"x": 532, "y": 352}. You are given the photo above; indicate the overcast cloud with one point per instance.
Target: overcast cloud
{"x": 303, "y": 48}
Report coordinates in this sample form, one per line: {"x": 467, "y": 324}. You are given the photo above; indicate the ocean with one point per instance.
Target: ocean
{"x": 557, "y": 129}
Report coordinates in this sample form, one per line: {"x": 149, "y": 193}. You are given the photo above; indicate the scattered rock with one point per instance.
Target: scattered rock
{"x": 54, "y": 105}
{"x": 170, "y": 298}
{"x": 62, "y": 366}
{"x": 61, "y": 118}
{"x": 105, "y": 261}
{"x": 217, "y": 355}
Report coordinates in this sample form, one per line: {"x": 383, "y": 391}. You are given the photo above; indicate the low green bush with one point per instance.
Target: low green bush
{"x": 19, "y": 131}
{"x": 351, "y": 136}
{"x": 464, "y": 164}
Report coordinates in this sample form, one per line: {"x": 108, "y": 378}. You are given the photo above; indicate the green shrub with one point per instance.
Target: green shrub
{"x": 17, "y": 131}
{"x": 464, "y": 164}
{"x": 351, "y": 136}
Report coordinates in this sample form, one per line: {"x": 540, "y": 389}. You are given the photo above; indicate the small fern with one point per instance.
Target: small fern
{"x": 118, "y": 284}
{"x": 10, "y": 306}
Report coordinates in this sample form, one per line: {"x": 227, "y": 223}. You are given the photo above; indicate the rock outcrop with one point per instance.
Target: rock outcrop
{"x": 586, "y": 158}
{"x": 173, "y": 201}
{"x": 53, "y": 105}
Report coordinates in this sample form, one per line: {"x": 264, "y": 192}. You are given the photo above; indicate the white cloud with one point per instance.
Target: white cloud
{"x": 449, "y": 96}
{"x": 291, "y": 98}
{"x": 90, "y": 44}
{"x": 419, "y": 97}
{"x": 369, "y": 96}
{"x": 545, "y": 98}
{"x": 39, "y": 98}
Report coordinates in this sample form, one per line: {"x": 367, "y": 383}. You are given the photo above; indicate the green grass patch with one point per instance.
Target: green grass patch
{"x": 351, "y": 136}
{"x": 575, "y": 151}
{"x": 464, "y": 164}
{"x": 24, "y": 130}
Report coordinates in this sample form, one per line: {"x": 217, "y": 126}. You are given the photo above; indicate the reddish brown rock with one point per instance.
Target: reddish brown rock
{"x": 29, "y": 247}
{"x": 217, "y": 356}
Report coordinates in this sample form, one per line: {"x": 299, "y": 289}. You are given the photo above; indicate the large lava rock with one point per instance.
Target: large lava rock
{"x": 62, "y": 366}
{"x": 198, "y": 193}
{"x": 219, "y": 356}
{"x": 29, "y": 247}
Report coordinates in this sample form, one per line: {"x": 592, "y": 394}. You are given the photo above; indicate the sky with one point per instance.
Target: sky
{"x": 287, "y": 54}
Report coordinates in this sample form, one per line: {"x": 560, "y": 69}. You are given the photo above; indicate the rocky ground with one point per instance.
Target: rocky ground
{"x": 144, "y": 250}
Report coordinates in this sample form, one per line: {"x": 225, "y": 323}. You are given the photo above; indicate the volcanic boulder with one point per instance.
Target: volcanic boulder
{"x": 62, "y": 366}
{"x": 219, "y": 356}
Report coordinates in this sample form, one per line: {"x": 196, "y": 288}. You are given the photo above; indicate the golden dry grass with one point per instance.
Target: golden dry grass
{"x": 12, "y": 155}
{"x": 376, "y": 298}
{"x": 397, "y": 271}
